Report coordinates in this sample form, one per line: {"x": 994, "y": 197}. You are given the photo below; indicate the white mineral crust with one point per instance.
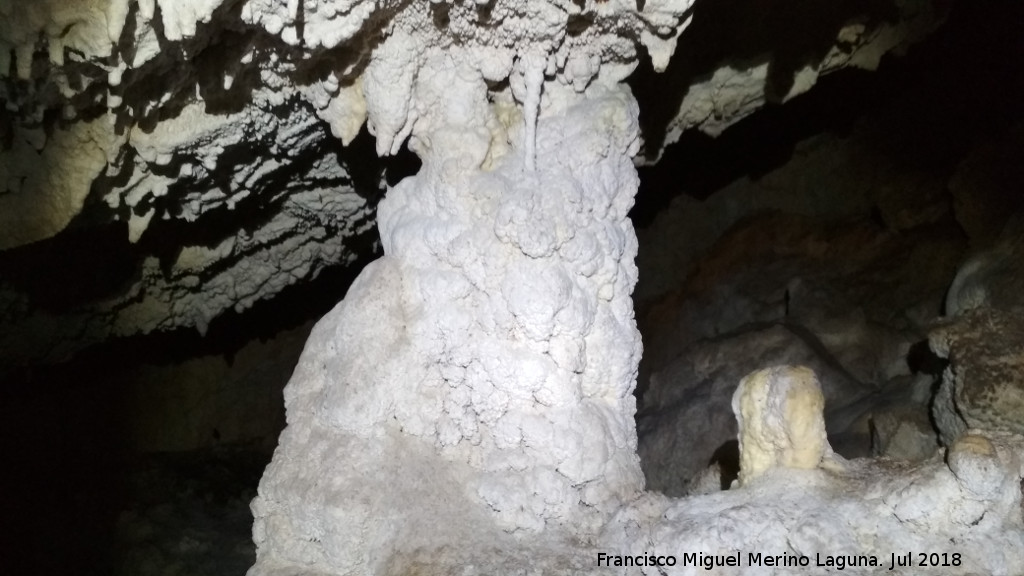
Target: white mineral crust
{"x": 467, "y": 408}
{"x": 493, "y": 347}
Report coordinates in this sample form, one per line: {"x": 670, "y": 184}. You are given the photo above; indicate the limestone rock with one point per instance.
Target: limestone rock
{"x": 902, "y": 430}
{"x": 167, "y": 122}
{"x": 986, "y": 188}
{"x": 868, "y": 172}
{"x": 982, "y": 337}
{"x": 948, "y": 418}
{"x": 868, "y": 511}
{"x": 992, "y": 278}
{"x": 984, "y": 384}
{"x": 975, "y": 464}
{"x": 45, "y": 183}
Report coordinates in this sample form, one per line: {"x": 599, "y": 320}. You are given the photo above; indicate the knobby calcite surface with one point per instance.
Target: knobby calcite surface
{"x": 467, "y": 408}
{"x": 491, "y": 353}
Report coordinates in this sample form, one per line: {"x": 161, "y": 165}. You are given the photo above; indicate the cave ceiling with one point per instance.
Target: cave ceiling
{"x": 164, "y": 164}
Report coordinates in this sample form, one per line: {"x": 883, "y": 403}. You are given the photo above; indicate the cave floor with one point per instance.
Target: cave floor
{"x": 188, "y": 514}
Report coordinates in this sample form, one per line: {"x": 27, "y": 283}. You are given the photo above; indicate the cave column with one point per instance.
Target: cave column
{"x": 518, "y": 271}
{"x": 494, "y": 344}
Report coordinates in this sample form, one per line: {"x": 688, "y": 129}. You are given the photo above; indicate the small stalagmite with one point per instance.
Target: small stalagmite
{"x": 781, "y": 422}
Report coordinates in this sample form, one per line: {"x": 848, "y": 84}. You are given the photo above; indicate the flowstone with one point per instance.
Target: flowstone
{"x": 475, "y": 384}
{"x": 467, "y": 408}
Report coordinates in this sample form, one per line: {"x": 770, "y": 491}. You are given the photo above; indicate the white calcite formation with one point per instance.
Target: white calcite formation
{"x": 781, "y": 421}
{"x": 493, "y": 349}
{"x": 467, "y": 408}
{"x": 802, "y": 511}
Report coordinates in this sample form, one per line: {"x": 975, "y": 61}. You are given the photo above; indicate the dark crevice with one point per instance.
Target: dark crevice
{"x": 727, "y": 458}
{"x": 401, "y": 165}
{"x": 440, "y": 15}
{"x": 936, "y": 103}
{"x": 578, "y": 24}
{"x": 484, "y": 11}
{"x": 74, "y": 267}
{"x": 921, "y": 360}
{"x": 65, "y": 427}
{"x": 789, "y": 34}
{"x": 698, "y": 164}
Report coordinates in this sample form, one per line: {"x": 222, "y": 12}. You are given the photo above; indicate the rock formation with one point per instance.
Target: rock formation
{"x": 468, "y": 407}
{"x": 982, "y": 388}
{"x": 190, "y": 117}
{"x": 781, "y": 422}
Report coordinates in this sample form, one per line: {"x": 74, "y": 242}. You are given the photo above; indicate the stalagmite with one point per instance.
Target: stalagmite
{"x": 480, "y": 374}
{"x": 779, "y": 411}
